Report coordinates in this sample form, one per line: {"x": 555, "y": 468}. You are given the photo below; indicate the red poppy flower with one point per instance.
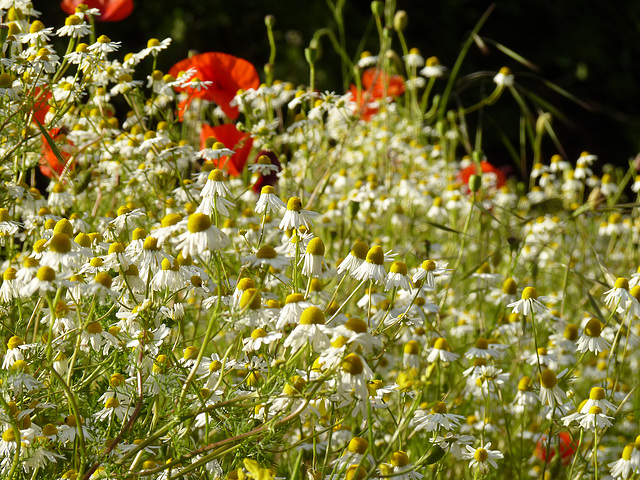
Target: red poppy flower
{"x": 563, "y": 444}
{"x": 110, "y": 10}
{"x": 233, "y": 139}
{"x": 228, "y": 74}
{"x": 49, "y": 163}
{"x": 486, "y": 167}
{"x": 375, "y": 83}
{"x": 41, "y": 106}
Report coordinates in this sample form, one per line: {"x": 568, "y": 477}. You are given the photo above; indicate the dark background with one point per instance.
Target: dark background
{"x": 591, "y": 49}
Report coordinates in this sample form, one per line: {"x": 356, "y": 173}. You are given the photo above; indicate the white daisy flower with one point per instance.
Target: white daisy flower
{"x": 530, "y": 302}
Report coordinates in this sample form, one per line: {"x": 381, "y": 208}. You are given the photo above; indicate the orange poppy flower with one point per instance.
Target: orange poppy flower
{"x": 228, "y": 74}
{"x": 49, "y": 163}
{"x": 375, "y": 83}
{"x": 110, "y": 10}
{"x": 486, "y": 167}
{"x": 233, "y": 139}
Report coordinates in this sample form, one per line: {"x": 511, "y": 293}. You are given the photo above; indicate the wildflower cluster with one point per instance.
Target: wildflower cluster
{"x": 314, "y": 282}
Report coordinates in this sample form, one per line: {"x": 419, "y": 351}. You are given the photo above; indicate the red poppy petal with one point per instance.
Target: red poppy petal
{"x": 110, "y": 10}
{"x": 228, "y": 74}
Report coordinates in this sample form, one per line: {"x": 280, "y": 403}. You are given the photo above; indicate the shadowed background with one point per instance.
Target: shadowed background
{"x": 589, "y": 49}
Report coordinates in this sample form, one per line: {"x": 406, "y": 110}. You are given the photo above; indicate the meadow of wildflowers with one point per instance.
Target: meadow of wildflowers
{"x": 236, "y": 277}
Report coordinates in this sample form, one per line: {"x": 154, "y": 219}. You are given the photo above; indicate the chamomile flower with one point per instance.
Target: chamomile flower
{"x": 311, "y": 329}
{"x": 372, "y": 268}
{"x": 435, "y": 419}
{"x": 482, "y": 457}
{"x": 619, "y": 295}
{"x": 622, "y": 467}
{"x": 441, "y": 352}
{"x": 269, "y": 202}
{"x": 591, "y": 339}
{"x": 530, "y": 302}
{"x": 397, "y": 277}
{"x": 595, "y": 419}
{"x": 433, "y": 69}
{"x": 354, "y": 259}
{"x": 267, "y": 256}
{"x": 259, "y": 337}
{"x": 429, "y": 269}
{"x": 295, "y": 216}
{"x": 354, "y": 378}
{"x": 504, "y": 78}
{"x": 104, "y": 45}
{"x": 597, "y": 397}
{"x": 550, "y": 393}
{"x": 201, "y": 236}
{"x": 313, "y": 258}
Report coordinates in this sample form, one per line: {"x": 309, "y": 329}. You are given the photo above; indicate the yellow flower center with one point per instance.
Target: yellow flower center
{"x": 548, "y": 378}
{"x": 356, "y": 325}
{"x": 398, "y": 267}
{"x": 14, "y": 342}
{"x": 481, "y": 455}
{"x": 358, "y": 445}
{"x": 399, "y": 459}
{"x": 597, "y": 393}
{"x": 593, "y": 328}
{"x": 9, "y": 274}
{"x": 294, "y": 204}
{"x": 428, "y": 265}
{"x": 315, "y": 247}
{"x": 245, "y": 283}
{"x": 622, "y": 283}
{"x": 266, "y": 251}
{"x": 524, "y": 384}
{"x": 530, "y": 293}
{"x": 189, "y": 352}
{"x": 63, "y": 226}
{"x": 111, "y": 403}
{"x": 258, "y": 333}
{"x": 359, "y": 250}
{"x": 104, "y": 279}
{"x": 352, "y": 364}
{"x": 198, "y": 222}
{"x": 116, "y": 380}
{"x": 439, "y": 407}
{"x": 46, "y": 274}
{"x": 375, "y": 255}
{"x": 509, "y": 287}
{"x": 412, "y": 348}
{"x": 94, "y": 328}
{"x": 571, "y": 332}
{"x": 628, "y": 450}
{"x": 312, "y": 316}
{"x": 251, "y": 299}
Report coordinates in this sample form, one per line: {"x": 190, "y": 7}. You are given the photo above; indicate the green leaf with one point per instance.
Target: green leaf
{"x": 52, "y": 144}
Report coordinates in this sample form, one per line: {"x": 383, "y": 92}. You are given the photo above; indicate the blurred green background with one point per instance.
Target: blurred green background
{"x": 591, "y": 49}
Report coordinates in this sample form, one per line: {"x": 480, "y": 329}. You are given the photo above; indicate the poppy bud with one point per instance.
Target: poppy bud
{"x": 311, "y": 54}
{"x": 377, "y": 8}
{"x": 400, "y": 21}
{"x": 270, "y": 21}
{"x": 475, "y": 182}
